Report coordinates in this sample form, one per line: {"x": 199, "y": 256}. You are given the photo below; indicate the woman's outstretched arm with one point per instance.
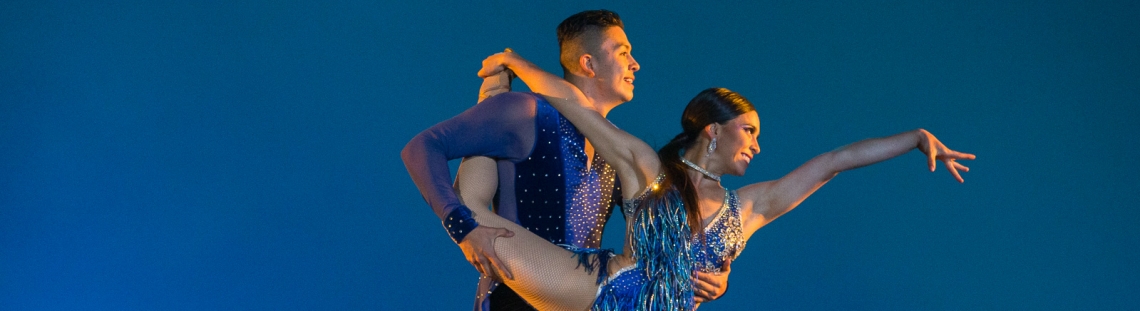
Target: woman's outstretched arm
{"x": 636, "y": 163}
{"x": 774, "y": 198}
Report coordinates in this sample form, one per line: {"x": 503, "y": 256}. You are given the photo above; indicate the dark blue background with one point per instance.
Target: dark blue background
{"x": 244, "y": 155}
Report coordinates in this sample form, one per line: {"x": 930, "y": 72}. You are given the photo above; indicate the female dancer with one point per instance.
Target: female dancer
{"x": 679, "y": 217}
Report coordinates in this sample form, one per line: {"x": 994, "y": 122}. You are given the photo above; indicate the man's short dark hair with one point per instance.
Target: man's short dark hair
{"x": 576, "y": 24}
{"x": 579, "y": 24}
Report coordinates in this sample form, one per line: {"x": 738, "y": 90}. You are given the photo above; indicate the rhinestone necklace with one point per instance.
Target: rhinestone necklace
{"x": 700, "y": 170}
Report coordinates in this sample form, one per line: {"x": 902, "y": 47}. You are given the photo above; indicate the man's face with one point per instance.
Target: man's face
{"x": 614, "y": 66}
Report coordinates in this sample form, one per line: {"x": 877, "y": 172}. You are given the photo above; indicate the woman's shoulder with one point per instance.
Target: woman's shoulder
{"x": 655, "y": 185}
{"x": 754, "y": 194}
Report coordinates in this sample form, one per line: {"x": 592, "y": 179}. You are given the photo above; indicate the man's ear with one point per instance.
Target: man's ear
{"x": 586, "y": 62}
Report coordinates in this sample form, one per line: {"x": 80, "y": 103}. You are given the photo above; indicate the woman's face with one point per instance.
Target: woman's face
{"x": 736, "y": 143}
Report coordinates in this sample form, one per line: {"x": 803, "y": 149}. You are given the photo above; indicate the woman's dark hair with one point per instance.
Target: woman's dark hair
{"x": 713, "y": 105}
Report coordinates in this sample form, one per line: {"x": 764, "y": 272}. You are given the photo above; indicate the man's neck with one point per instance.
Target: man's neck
{"x": 602, "y": 106}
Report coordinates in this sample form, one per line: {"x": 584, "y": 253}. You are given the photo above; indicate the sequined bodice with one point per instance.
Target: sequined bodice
{"x": 556, "y": 194}
{"x": 724, "y": 235}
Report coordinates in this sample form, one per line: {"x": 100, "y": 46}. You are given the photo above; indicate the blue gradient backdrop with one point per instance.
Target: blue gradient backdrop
{"x": 244, "y": 155}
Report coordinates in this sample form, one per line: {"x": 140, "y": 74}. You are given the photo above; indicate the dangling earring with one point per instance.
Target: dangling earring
{"x": 712, "y": 144}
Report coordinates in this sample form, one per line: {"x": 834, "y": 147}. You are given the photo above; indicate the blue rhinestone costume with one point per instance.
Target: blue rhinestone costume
{"x": 663, "y": 248}
{"x": 659, "y": 236}
{"x": 724, "y": 236}
{"x": 547, "y": 184}
{"x": 554, "y": 193}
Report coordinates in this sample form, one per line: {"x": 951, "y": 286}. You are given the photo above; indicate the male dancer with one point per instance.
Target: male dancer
{"x": 549, "y": 179}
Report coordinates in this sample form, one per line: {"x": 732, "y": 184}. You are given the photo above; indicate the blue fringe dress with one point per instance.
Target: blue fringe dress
{"x": 665, "y": 252}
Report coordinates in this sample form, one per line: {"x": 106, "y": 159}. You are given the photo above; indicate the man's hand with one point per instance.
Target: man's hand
{"x": 479, "y": 248}
{"x": 710, "y": 286}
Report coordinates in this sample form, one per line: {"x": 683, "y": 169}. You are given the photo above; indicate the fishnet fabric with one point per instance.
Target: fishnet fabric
{"x": 546, "y": 276}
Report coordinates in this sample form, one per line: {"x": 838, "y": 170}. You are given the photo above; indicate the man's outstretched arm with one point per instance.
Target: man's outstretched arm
{"x": 502, "y": 127}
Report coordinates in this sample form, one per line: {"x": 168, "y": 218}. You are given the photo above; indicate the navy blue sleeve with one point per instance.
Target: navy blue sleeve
{"x": 500, "y": 127}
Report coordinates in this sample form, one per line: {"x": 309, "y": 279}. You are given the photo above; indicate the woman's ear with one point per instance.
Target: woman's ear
{"x": 711, "y": 130}
{"x": 587, "y": 63}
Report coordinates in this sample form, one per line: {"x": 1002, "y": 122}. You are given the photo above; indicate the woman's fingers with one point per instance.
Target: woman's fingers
{"x": 953, "y": 170}
{"x": 957, "y": 155}
{"x": 931, "y": 155}
{"x": 491, "y": 65}
{"x": 961, "y": 167}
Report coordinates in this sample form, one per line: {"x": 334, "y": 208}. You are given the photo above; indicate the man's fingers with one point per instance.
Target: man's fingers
{"x": 503, "y": 232}
{"x": 710, "y": 285}
{"x": 705, "y": 286}
{"x": 702, "y": 277}
{"x": 498, "y": 265}
{"x": 475, "y": 261}
{"x": 707, "y": 280}
{"x": 494, "y": 257}
{"x": 491, "y": 272}
{"x": 701, "y": 293}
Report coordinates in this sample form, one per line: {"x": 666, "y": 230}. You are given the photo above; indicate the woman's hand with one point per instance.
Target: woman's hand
{"x": 935, "y": 150}
{"x": 498, "y": 62}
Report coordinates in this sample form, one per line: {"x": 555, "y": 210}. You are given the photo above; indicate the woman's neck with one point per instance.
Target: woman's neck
{"x": 697, "y": 169}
